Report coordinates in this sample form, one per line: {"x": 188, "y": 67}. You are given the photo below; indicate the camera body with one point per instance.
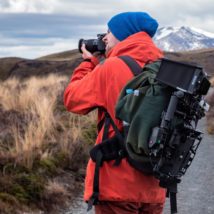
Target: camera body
{"x": 93, "y": 45}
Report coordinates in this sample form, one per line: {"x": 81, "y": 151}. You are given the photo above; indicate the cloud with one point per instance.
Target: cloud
{"x": 33, "y": 25}
{"x": 74, "y": 7}
{"x": 4, "y": 4}
{"x": 27, "y": 6}
{"x": 33, "y": 48}
{"x": 41, "y": 25}
{"x": 35, "y": 35}
{"x": 167, "y": 12}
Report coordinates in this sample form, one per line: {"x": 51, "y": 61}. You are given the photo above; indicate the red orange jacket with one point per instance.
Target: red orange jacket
{"x": 98, "y": 85}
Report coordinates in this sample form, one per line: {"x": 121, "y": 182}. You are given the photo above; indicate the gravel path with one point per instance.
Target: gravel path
{"x": 195, "y": 192}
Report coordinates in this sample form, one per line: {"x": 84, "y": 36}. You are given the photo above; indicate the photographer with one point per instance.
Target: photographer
{"x": 122, "y": 189}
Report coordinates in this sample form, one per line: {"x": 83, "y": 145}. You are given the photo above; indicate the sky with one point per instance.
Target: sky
{"x": 35, "y": 28}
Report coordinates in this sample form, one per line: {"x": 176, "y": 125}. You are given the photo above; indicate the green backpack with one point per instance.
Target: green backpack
{"x": 141, "y": 108}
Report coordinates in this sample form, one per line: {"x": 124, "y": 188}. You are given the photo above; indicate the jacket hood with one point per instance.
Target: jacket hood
{"x": 138, "y": 46}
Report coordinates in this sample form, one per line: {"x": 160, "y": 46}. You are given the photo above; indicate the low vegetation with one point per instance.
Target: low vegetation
{"x": 41, "y": 145}
{"x": 7, "y": 65}
{"x": 202, "y": 58}
{"x": 210, "y": 114}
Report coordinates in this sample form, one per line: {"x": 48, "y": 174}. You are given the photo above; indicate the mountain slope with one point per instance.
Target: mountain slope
{"x": 183, "y": 39}
{"x": 65, "y": 55}
{"x": 203, "y": 58}
{"x": 6, "y": 65}
{"x": 63, "y": 63}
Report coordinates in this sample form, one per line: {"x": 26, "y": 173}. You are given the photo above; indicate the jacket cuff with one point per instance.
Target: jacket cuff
{"x": 92, "y": 60}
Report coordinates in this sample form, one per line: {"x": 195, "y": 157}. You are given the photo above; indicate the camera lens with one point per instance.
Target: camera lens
{"x": 90, "y": 44}
{"x": 93, "y": 45}
{"x": 80, "y": 45}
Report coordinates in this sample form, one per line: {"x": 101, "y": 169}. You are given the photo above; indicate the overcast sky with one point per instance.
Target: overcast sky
{"x": 34, "y": 28}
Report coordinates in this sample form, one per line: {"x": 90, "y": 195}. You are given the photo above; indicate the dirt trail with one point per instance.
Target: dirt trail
{"x": 196, "y": 191}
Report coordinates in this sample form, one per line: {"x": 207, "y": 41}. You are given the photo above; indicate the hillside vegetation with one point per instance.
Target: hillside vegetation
{"x": 63, "y": 63}
{"x": 6, "y": 66}
{"x": 60, "y": 64}
{"x": 210, "y": 114}
{"x": 66, "y": 55}
{"x": 203, "y": 58}
{"x": 39, "y": 142}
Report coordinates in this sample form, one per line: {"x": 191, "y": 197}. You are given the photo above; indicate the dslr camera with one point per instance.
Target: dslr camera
{"x": 93, "y": 45}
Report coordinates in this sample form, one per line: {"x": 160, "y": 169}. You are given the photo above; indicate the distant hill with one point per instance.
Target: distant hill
{"x": 62, "y": 56}
{"x": 63, "y": 63}
{"x": 203, "y": 58}
{"x": 6, "y": 65}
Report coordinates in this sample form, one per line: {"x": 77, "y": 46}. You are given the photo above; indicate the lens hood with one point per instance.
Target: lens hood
{"x": 80, "y": 45}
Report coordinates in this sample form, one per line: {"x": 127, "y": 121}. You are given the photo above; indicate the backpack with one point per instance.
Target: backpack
{"x": 149, "y": 141}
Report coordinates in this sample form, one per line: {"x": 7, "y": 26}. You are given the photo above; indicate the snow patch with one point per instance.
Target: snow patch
{"x": 183, "y": 38}
{"x": 208, "y": 34}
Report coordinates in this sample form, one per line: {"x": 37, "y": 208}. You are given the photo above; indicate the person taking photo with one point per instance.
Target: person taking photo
{"x": 94, "y": 84}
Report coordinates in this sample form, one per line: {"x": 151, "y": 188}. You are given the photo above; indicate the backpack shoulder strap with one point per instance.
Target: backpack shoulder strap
{"x": 132, "y": 64}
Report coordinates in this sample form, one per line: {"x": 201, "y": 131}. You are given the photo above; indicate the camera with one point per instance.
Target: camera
{"x": 174, "y": 147}
{"x": 93, "y": 45}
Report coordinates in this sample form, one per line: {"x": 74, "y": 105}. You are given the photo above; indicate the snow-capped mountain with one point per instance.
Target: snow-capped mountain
{"x": 183, "y": 38}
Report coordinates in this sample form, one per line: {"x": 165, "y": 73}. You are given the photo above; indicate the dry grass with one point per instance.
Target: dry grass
{"x": 37, "y": 100}
{"x": 212, "y": 81}
{"x": 210, "y": 114}
{"x": 30, "y": 94}
{"x": 39, "y": 139}
{"x": 56, "y": 189}
{"x": 55, "y": 194}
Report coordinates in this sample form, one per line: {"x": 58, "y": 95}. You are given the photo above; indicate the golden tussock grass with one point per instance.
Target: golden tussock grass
{"x": 39, "y": 139}
{"x": 44, "y": 127}
{"x": 210, "y": 114}
{"x": 212, "y": 81}
{"x": 55, "y": 193}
